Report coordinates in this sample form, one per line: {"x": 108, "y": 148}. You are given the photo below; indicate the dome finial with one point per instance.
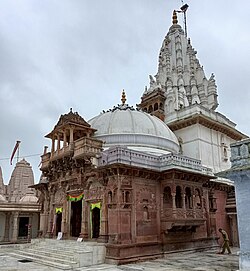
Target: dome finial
{"x": 175, "y": 20}
{"x": 123, "y": 99}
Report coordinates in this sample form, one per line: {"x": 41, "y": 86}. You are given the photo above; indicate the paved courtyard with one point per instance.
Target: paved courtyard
{"x": 199, "y": 261}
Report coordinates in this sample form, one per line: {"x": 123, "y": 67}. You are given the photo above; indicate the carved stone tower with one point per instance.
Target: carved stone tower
{"x": 186, "y": 100}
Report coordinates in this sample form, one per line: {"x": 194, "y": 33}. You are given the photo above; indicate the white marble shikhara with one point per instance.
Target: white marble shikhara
{"x": 240, "y": 173}
{"x": 191, "y": 102}
{"x": 180, "y": 74}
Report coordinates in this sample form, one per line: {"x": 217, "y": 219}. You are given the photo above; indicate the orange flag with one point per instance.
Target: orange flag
{"x": 14, "y": 150}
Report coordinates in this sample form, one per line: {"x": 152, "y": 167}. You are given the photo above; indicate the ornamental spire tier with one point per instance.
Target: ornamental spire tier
{"x": 180, "y": 76}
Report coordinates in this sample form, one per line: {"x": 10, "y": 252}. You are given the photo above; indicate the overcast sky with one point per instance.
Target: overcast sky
{"x": 58, "y": 54}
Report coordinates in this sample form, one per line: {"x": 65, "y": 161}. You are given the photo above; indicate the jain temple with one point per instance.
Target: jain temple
{"x": 142, "y": 180}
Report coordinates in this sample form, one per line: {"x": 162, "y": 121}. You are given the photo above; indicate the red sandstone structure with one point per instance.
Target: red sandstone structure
{"x": 126, "y": 179}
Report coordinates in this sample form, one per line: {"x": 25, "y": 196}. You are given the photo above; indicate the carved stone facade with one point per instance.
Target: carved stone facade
{"x": 127, "y": 179}
{"x": 141, "y": 204}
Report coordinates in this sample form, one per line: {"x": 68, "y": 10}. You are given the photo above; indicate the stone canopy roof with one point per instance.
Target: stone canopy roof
{"x": 71, "y": 118}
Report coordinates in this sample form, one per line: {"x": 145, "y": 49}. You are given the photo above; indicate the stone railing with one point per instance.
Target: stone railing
{"x": 87, "y": 147}
{"x": 160, "y": 163}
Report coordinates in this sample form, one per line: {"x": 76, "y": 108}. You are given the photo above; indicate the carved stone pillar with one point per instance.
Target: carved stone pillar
{"x": 84, "y": 227}
{"x": 184, "y": 204}
{"x": 58, "y": 143}
{"x": 71, "y": 135}
{"x": 64, "y": 139}
{"x": 174, "y": 205}
{"x": 51, "y": 226}
{"x": 44, "y": 227}
{"x": 64, "y": 220}
{"x": 161, "y": 205}
{"x": 53, "y": 146}
{"x": 104, "y": 222}
{"x": 7, "y": 227}
{"x": 15, "y": 227}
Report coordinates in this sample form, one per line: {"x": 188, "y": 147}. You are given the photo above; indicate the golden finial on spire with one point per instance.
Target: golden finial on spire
{"x": 175, "y": 20}
{"x": 123, "y": 99}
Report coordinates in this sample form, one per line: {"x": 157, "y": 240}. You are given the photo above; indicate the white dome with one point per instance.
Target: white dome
{"x": 125, "y": 126}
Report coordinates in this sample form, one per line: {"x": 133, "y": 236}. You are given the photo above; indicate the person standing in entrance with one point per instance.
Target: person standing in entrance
{"x": 225, "y": 244}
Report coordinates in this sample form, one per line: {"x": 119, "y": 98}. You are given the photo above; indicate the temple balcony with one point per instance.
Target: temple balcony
{"x": 83, "y": 147}
{"x": 181, "y": 219}
{"x": 87, "y": 147}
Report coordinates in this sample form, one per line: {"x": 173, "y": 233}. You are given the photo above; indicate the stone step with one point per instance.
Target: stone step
{"x": 44, "y": 262}
{"x": 52, "y": 253}
{"x": 41, "y": 257}
{"x": 65, "y": 253}
{"x": 69, "y": 249}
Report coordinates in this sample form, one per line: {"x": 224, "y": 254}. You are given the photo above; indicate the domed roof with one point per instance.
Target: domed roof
{"x": 123, "y": 125}
{"x": 29, "y": 197}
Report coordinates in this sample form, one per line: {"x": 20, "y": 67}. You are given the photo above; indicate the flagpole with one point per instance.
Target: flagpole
{"x": 16, "y": 149}
{"x": 17, "y": 158}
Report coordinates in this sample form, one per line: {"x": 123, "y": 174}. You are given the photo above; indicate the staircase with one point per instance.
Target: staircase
{"x": 61, "y": 254}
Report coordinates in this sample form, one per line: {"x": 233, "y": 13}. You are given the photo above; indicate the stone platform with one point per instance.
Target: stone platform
{"x": 181, "y": 261}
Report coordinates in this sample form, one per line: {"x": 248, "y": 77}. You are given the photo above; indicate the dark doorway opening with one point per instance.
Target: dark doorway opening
{"x": 23, "y": 227}
{"x": 58, "y": 223}
{"x": 95, "y": 222}
{"x": 76, "y": 218}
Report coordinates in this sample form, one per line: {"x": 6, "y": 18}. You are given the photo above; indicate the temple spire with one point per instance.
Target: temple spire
{"x": 123, "y": 99}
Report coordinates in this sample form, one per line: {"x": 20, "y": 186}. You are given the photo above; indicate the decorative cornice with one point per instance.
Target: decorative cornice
{"x": 209, "y": 123}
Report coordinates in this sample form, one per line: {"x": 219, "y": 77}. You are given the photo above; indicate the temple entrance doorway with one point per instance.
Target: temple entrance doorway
{"x": 23, "y": 227}
{"x": 58, "y": 222}
{"x": 76, "y": 218}
{"x": 95, "y": 222}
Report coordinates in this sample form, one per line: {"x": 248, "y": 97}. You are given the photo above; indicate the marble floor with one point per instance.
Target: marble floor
{"x": 186, "y": 261}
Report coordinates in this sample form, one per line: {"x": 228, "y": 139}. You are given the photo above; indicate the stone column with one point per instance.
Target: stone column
{"x": 64, "y": 220}
{"x": 84, "y": 227}
{"x": 7, "y": 227}
{"x": 184, "y": 204}
{"x": 71, "y": 135}
{"x": 58, "y": 143}
{"x": 15, "y": 227}
{"x": 44, "y": 227}
{"x": 174, "y": 205}
{"x": 104, "y": 222}
{"x": 240, "y": 174}
{"x": 53, "y": 146}
{"x": 51, "y": 226}
{"x": 64, "y": 139}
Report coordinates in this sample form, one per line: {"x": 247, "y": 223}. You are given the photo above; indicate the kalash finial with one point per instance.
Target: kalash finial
{"x": 175, "y": 20}
{"x": 123, "y": 99}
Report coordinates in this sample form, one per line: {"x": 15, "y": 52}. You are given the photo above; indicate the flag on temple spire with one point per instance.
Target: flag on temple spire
{"x": 14, "y": 151}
